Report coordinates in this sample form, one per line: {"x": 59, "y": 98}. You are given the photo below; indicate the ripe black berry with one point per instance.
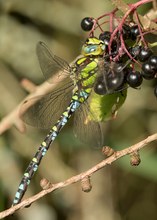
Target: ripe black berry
{"x": 115, "y": 77}
{"x": 87, "y": 23}
{"x": 111, "y": 80}
{"x": 105, "y": 37}
{"x": 134, "y": 51}
{"x": 100, "y": 87}
{"x": 147, "y": 71}
{"x": 134, "y": 79}
{"x": 134, "y": 32}
{"x": 114, "y": 81}
{"x": 144, "y": 54}
{"x": 153, "y": 62}
{"x": 126, "y": 31}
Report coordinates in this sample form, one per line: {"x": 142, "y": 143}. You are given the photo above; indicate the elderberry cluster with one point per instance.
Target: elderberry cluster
{"x": 123, "y": 65}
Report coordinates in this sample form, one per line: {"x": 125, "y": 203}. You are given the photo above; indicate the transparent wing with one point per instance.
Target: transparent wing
{"x": 110, "y": 76}
{"x": 85, "y": 128}
{"x": 44, "y": 111}
{"x": 50, "y": 63}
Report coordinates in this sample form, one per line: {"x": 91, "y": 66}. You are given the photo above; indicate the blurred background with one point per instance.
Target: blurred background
{"x": 119, "y": 191}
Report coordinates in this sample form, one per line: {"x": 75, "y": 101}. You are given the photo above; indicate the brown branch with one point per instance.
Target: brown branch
{"x": 84, "y": 175}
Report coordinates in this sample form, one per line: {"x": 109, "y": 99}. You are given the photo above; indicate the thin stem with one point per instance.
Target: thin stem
{"x": 108, "y": 161}
{"x": 133, "y": 7}
{"x": 139, "y": 27}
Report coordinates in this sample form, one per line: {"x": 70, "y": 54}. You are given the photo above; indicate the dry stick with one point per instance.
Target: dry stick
{"x": 81, "y": 176}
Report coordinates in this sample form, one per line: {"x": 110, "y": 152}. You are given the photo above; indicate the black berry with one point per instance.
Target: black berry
{"x": 134, "y": 32}
{"x": 114, "y": 81}
{"x": 153, "y": 62}
{"x": 115, "y": 77}
{"x": 134, "y": 79}
{"x": 87, "y": 23}
{"x": 134, "y": 51}
{"x": 144, "y": 54}
{"x": 100, "y": 87}
{"x": 111, "y": 80}
{"x": 105, "y": 35}
{"x": 147, "y": 71}
{"x": 126, "y": 31}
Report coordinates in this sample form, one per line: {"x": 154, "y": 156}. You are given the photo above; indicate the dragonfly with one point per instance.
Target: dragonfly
{"x": 74, "y": 95}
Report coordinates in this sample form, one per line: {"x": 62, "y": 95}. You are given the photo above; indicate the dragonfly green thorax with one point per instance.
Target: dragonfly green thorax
{"x": 85, "y": 68}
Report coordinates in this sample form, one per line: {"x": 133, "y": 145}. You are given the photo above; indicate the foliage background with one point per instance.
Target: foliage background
{"x": 119, "y": 191}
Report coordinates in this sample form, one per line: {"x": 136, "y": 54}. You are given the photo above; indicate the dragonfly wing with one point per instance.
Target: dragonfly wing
{"x": 44, "y": 111}
{"x": 50, "y": 64}
{"x": 110, "y": 76}
{"x": 86, "y": 128}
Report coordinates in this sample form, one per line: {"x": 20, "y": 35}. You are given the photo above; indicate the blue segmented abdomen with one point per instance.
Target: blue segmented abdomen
{"x": 76, "y": 101}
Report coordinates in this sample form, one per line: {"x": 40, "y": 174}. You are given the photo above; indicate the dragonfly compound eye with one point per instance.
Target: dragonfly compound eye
{"x": 93, "y": 47}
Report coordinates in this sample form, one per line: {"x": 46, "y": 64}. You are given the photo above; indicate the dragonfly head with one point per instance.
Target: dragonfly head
{"x": 93, "y": 47}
